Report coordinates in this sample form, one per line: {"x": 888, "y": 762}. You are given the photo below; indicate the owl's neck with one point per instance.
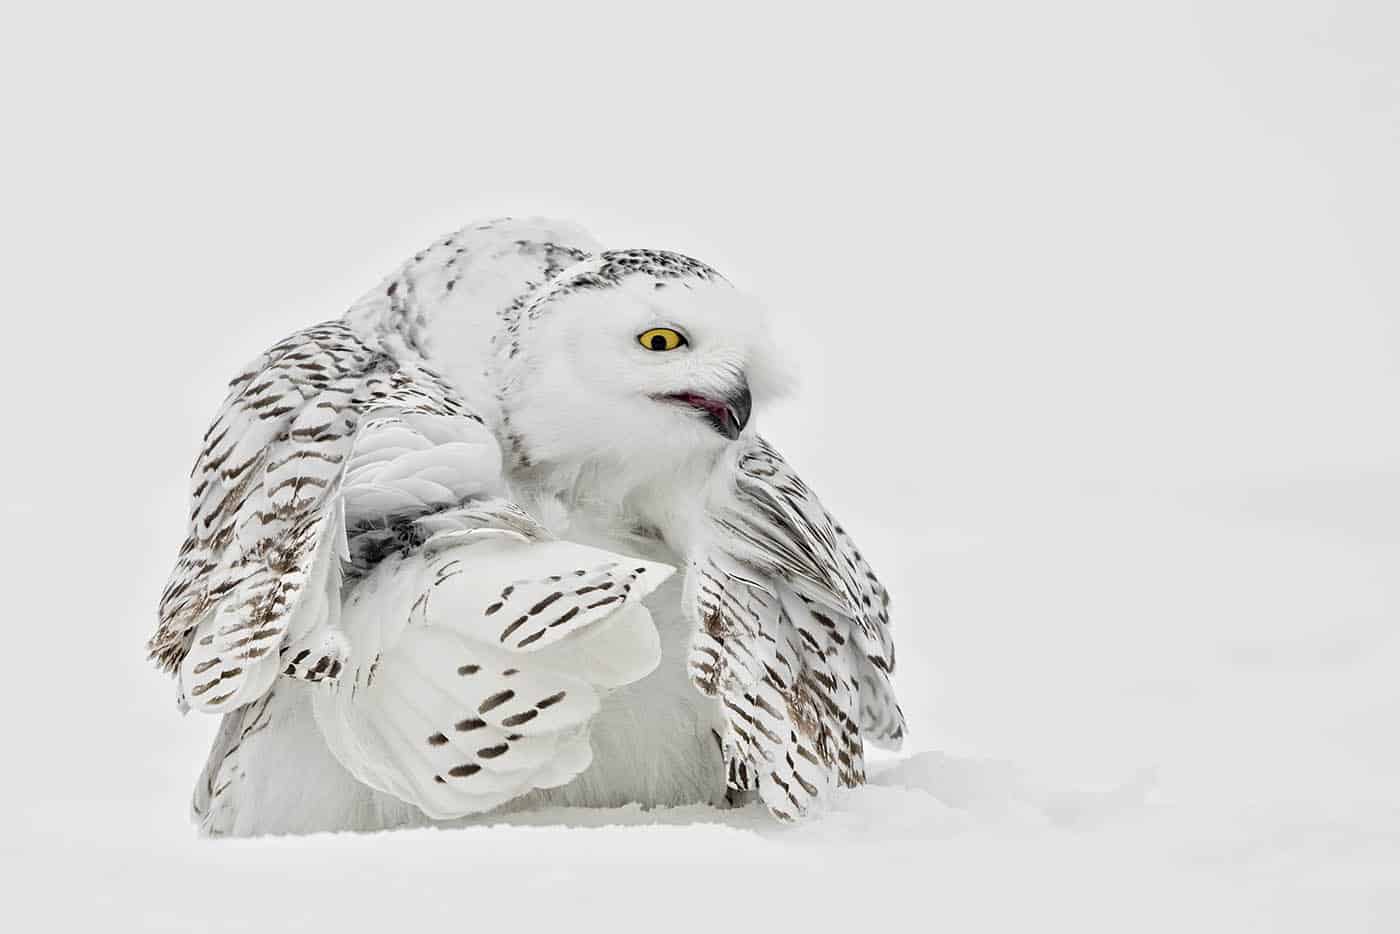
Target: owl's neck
{"x": 665, "y": 503}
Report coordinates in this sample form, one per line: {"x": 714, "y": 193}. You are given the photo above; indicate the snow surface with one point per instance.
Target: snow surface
{"x": 1098, "y": 318}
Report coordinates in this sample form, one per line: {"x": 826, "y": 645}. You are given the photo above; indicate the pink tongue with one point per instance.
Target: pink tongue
{"x": 700, "y": 402}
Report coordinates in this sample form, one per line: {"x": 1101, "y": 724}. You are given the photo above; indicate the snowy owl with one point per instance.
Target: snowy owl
{"x": 431, "y": 564}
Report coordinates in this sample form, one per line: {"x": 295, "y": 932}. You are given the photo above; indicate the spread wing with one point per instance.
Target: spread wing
{"x": 347, "y": 529}
{"x": 266, "y": 505}
{"x": 793, "y": 638}
{"x": 265, "y": 486}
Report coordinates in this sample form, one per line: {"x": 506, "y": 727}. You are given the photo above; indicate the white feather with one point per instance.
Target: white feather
{"x": 449, "y": 710}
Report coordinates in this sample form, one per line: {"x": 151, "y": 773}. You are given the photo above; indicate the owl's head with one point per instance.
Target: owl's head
{"x": 641, "y": 358}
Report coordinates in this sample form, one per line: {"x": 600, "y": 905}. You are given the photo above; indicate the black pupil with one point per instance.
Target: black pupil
{"x": 658, "y": 342}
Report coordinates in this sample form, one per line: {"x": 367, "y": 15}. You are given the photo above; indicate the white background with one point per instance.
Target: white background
{"x": 1097, "y": 313}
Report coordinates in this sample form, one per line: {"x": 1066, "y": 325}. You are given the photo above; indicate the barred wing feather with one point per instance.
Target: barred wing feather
{"x": 478, "y": 663}
{"x": 265, "y": 501}
{"x": 793, "y": 638}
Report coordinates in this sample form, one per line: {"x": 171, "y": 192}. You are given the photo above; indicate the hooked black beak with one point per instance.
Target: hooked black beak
{"x": 731, "y": 419}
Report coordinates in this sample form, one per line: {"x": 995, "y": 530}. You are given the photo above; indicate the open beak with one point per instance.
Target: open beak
{"x": 727, "y": 415}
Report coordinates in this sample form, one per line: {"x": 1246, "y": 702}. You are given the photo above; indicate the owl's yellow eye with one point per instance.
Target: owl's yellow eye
{"x": 661, "y": 339}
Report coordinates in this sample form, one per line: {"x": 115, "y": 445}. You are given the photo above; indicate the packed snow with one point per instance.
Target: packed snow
{"x": 1097, "y": 318}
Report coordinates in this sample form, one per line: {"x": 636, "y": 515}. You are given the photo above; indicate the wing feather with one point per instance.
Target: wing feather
{"x": 478, "y": 661}
{"x": 793, "y": 638}
{"x": 262, "y": 488}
